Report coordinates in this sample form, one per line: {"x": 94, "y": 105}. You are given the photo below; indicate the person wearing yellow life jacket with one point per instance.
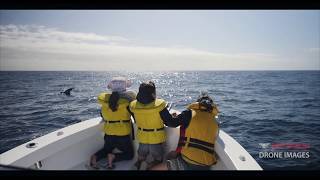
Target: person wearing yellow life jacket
{"x": 117, "y": 123}
{"x": 198, "y": 132}
{"x": 147, "y": 112}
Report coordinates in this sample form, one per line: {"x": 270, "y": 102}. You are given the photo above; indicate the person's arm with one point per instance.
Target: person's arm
{"x": 170, "y": 121}
{"x": 129, "y": 95}
{"x": 131, "y": 114}
{"x": 101, "y": 98}
{"x": 215, "y": 110}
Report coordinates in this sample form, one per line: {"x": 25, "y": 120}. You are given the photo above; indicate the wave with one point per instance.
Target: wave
{"x": 308, "y": 105}
{"x": 250, "y": 101}
{"x": 255, "y": 106}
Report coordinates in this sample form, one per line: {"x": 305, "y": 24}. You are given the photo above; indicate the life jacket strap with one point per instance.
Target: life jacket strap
{"x": 150, "y": 130}
{"x": 196, "y": 143}
{"x": 196, "y": 146}
{"x": 123, "y": 121}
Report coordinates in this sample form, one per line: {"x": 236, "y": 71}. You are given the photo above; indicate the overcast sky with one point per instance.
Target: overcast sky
{"x": 159, "y": 40}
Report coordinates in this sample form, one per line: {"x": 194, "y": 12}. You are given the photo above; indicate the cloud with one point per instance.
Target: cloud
{"x": 313, "y": 50}
{"x": 31, "y": 47}
{"x": 33, "y": 33}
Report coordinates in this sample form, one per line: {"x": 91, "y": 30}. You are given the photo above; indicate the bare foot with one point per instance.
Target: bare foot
{"x": 153, "y": 163}
{"x": 111, "y": 157}
{"x": 93, "y": 162}
{"x": 159, "y": 167}
{"x": 174, "y": 114}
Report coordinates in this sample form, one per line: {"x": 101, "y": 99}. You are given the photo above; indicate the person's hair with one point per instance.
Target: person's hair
{"x": 113, "y": 101}
{"x": 206, "y": 102}
{"x": 147, "y": 92}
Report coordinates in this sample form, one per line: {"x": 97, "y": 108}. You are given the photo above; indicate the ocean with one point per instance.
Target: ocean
{"x": 276, "y": 107}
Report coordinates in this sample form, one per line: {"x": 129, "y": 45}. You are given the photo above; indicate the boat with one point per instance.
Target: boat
{"x": 70, "y": 148}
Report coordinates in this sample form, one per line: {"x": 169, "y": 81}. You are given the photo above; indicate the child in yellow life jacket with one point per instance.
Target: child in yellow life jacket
{"x": 118, "y": 126}
{"x": 198, "y": 132}
{"x": 147, "y": 111}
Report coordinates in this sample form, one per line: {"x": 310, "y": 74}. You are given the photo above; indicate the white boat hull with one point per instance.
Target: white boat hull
{"x": 70, "y": 148}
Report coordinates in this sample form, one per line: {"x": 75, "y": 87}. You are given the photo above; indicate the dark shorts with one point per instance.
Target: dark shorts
{"x": 178, "y": 163}
{"x": 122, "y": 143}
{"x": 155, "y": 150}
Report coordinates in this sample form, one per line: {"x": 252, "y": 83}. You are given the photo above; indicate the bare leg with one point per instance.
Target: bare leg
{"x": 154, "y": 163}
{"x": 141, "y": 158}
{"x": 93, "y": 161}
{"x": 159, "y": 167}
{"x": 139, "y": 161}
{"x": 110, "y": 158}
{"x": 172, "y": 155}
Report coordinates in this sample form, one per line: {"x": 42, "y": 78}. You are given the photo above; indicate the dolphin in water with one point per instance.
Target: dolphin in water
{"x": 67, "y": 92}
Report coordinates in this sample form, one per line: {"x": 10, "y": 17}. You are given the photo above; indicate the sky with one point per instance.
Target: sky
{"x": 159, "y": 40}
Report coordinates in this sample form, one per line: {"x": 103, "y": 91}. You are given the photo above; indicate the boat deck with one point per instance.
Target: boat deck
{"x": 129, "y": 165}
{"x": 70, "y": 148}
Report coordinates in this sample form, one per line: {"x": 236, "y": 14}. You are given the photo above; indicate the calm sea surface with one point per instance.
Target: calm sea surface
{"x": 256, "y": 106}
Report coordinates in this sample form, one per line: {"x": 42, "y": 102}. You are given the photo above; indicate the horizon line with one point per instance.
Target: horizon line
{"x": 153, "y": 70}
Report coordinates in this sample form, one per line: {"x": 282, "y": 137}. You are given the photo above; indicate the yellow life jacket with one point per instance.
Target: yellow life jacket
{"x": 117, "y": 123}
{"x": 149, "y": 123}
{"x": 197, "y": 144}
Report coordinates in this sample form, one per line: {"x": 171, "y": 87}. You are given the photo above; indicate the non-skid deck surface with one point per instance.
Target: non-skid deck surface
{"x": 170, "y": 145}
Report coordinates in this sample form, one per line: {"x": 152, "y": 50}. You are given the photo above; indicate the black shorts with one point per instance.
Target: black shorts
{"x": 122, "y": 143}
